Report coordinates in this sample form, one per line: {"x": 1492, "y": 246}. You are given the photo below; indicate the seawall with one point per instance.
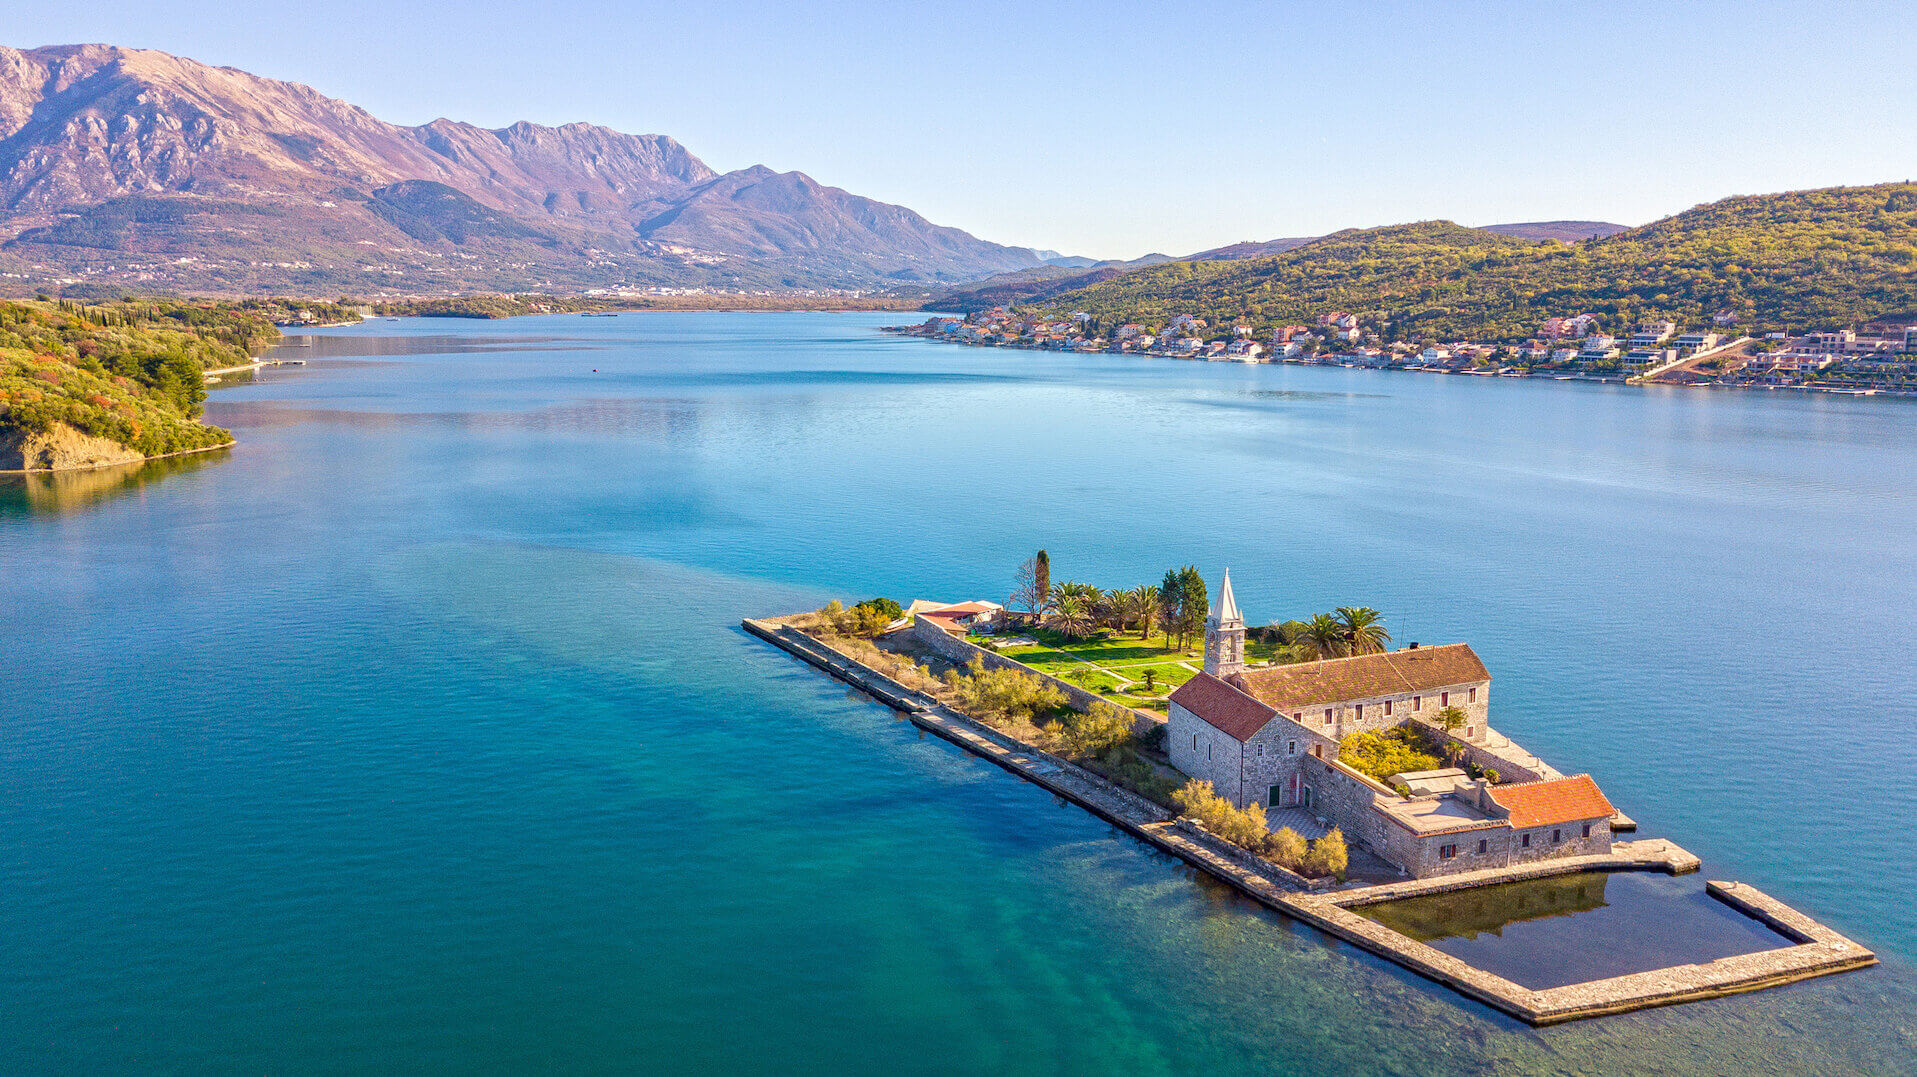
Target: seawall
{"x": 1818, "y": 951}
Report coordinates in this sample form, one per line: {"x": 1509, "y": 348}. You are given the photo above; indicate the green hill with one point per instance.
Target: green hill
{"x": 127, "y": 372}
{"x": 1797, "y": 261}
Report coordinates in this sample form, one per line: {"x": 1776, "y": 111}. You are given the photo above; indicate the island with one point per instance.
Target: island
{"x": 1316, "y": 769}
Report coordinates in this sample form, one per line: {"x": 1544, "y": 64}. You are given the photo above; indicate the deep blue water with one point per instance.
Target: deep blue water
{"x": 417, "y": 732}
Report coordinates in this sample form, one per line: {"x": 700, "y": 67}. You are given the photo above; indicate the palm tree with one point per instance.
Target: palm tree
{"x": 1319, "y": 638}
{"x": 1072, "y": 615}
{"x": 1144, "y": 604}
{"x": 1364, "y": 630}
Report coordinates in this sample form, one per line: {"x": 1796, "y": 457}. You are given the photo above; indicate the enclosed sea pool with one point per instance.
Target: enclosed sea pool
{"x": 1568, "y": 929}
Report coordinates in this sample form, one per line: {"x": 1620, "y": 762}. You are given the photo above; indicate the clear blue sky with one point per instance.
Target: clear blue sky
{"x": 1114, "y": 128}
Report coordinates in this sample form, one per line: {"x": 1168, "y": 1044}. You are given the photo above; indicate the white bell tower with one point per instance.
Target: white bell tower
{"x": 1224, "y": 634}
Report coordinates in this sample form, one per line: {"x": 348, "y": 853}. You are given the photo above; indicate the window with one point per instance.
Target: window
{"x": 1525, "y": 841}
{"x": 1444, "y": 699}
{"x": 1587, "y": 830}
{"x": 1557, "y": 836}
{"x": 1473, "y": 697}
{"x": 1318, "y": 750}
{"x": 1327, "y": 715}
{"x": 1483, "y": 845}
{"x": 1276, "y": 797}
{"x": 1194, "y": 742}
{"x": 1446, "y": 852}
{"x": 1387, "y": 708}
{"x": 1207, "y": 751}
{"x": 1299, "y": 717}
{"x": 1417, "y": 703}
{"x": 1291, "y": 747}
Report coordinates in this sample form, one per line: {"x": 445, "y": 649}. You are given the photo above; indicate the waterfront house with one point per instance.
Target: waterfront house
{"x": 959, "y": 619}
{"x": 1271, "y": 735}
{"x": 1652, "y": 335}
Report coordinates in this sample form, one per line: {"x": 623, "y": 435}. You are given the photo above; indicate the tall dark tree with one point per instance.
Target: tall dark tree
{"x": 1171, "y": 603}
{"x": 1042, "y": 578}
{"x": 1196, "y": 603}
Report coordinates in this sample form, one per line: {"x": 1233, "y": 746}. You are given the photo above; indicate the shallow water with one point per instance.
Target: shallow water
{"x": 417, "y": 731}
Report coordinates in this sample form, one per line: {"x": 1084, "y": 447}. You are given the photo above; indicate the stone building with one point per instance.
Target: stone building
{"x": 1270, "y": 735}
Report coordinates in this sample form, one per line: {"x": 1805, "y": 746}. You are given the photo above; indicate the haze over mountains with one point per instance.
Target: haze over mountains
{"x": 179, "y": 174}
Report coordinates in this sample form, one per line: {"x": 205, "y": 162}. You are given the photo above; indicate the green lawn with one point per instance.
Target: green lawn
{"x": 1112, "y": 661}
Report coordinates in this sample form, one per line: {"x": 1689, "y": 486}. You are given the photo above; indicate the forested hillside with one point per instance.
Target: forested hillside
{"x": 129, "y": 372}
{"x": 1800, "y": 260}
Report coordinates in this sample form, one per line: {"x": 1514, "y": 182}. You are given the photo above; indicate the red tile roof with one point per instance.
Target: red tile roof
{"x": 1227, "y": 709}
{"x": 962, "y": 609}
{"x": 1364, "y": 676}
{"x": 1559, "y": 800}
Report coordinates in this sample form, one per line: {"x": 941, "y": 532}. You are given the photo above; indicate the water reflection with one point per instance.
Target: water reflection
{"x": 57, "y": 492}
{"x": 1466, "y": 913}
{"x": 326, "y": 346}
{"x": 1546, "y": 933}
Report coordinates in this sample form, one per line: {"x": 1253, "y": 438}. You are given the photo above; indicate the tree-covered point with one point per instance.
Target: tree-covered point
{"x": 1795, "y": 261}
{"x": 130, "y": 371}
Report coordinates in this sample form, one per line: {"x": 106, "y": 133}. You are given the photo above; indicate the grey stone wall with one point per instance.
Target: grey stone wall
{"x": 1204, "y": 752}
{"x": 1274, "y": 756}
{"x": 1571, "y": 841}
{"x": 1351, "y": 802}
{"x": 1368, "y": 715}
{"x": 1509, "y": 769}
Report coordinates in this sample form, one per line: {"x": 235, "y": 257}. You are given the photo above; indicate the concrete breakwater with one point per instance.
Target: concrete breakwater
{"x": 1815, "y": 951}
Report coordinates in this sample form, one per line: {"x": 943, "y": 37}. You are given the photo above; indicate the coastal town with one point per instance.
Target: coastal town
{"x": 1876, "y": 357}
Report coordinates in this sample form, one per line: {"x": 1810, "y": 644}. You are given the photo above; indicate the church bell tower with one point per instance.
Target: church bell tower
{"x": 1224, "y": 634}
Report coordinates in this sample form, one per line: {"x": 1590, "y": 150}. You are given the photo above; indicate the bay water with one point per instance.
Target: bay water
{"x": 417, "y": 732}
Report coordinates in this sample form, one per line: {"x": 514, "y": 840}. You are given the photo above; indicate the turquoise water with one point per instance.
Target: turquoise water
{"x": 417, "y": 732}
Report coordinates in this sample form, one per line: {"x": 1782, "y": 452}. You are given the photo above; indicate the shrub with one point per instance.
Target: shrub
{"x": 863, "y": 621}
{"x": 1242, "y": 826}
{"x": 1003, "y": 692}
{"x": 1451, "y": 718}
{"x": 1287, "y": 849}
{"x": 1380, "y": 755}
{"x": 1126, "y": 767}
{"x": 1096, "y": 731}
{"x": 1328, "y": 855}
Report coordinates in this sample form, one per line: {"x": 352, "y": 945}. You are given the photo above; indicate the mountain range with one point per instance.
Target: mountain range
{"x": 135, "y": 169}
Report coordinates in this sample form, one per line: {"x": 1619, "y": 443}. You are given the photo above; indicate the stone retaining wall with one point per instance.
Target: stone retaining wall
{"x": 1245, "y": 858}
{"x": 1826, "y": 952}
{"x": 963, "y": 651}
{"x": 1509, "y": 769}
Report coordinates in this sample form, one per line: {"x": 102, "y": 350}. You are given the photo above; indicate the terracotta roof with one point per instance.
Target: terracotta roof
{"x": 1227, "y": 709}
{"x": 1560, "y": 800}
{"x": 1365, "y": 676}
{"x": 961, "y": 609}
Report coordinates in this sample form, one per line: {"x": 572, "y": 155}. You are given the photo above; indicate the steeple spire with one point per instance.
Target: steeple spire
{"x": 1228, "y": 605}
{"x": 1225, "y": 634}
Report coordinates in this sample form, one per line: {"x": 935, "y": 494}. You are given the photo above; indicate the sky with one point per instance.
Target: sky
{"x": 1113, "y": 129}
